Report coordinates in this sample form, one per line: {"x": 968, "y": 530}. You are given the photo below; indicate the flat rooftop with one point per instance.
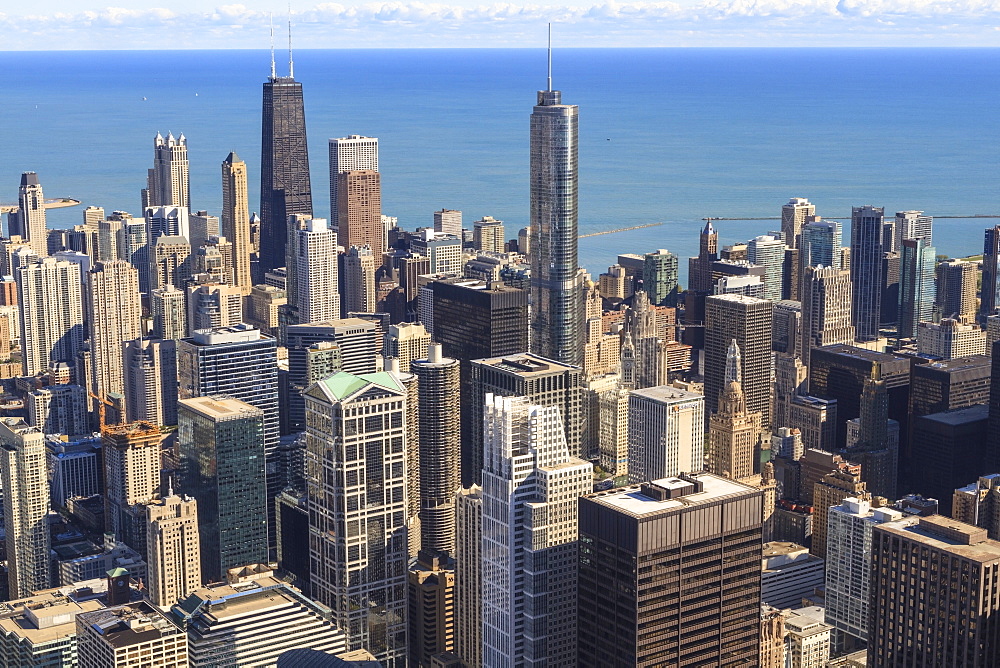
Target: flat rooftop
{"x": 975, "y": 413}
{"x": 667, "y": 394}
{"x": 632, "y": 501}
{"x": 219, "y": 408}
{"x": 526, "y": 364}
{"x": 948, "y": 535}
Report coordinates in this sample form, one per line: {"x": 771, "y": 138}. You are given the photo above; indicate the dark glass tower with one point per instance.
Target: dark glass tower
{"x": 556, "y": 321}
{"x": 284, "y": 166}
{"x": 866, "y": 270}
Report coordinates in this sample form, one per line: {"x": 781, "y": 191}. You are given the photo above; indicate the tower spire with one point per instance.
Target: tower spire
{"x": 272, "y": 47}
{"x": 291, "y": 65}
{"x": 550, "y": 58}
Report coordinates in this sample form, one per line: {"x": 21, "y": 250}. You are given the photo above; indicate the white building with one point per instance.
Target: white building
{"x": 807, "y": 643}
{"x": 167, "y": 183}
{"x": 529, "y": 550}
{"x": 666, "y": 433}
{"x": 317, "y": 296}
{"x": 950, "y": 339}
{"x": 407, "y": 341}
{"x": 25, "y": 506}
{"x": 50, "y": 295}
{"x": 468, "y": 577}
{"x": 789, "y": 574}
{"x": 613, "y": 430}
{"x": 359, "y": 280}
{"x": 113, "y": 314}
{"x": 768, "y": 252}
{"x": 349, "y": 154}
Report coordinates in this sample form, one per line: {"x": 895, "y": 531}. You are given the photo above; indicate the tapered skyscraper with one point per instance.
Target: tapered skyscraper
{"x": 236, "y": 218}
{"x": 557, "y": 321}
{"x": 284, "y": 164}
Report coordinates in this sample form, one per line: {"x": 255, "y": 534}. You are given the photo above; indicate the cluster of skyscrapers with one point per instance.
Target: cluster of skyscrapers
{"x": 281, "y": 440}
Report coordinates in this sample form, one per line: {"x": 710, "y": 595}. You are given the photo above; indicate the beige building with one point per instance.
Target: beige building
{"x": 448, "y": 221}
{"x": 170, "y": 262}
{"x": 113, "y": 314}
{"x": 359, "y": 210}
{"x": 950, "y": 338}
{"x": 130, "y": 635}
{"x": 263, "y": 308}
{"x": 830, "y": 491}
{"x": 40, "y": 630}
{"x": 236, "y": 219}
{"x": 407, "y": 341}
{"x": 359, "y": 280}
{"x": 168, "y": 305}
{"x": 807, "y": 639}
{"x": 25, "y": 506}
{"x": 214, "y": 305}
{"x": 432, "y": 607}
{"x": 826, "y": 309}
{"x": 51, "y": 300}
{"x": 772, "y": 637}
{"x": 132, "y": 463}
{"x": 151, "y": 381}
{"x": 487, "y": 235}
{"x": 173, "y": 549}
{"x": 613, "y": 431}
{"x": 468, "y": 576}
{"x": 733, "y": 433}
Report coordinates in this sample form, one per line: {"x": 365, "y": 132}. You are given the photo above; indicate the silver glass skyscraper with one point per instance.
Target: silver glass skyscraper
{"x": 556, "y": 321}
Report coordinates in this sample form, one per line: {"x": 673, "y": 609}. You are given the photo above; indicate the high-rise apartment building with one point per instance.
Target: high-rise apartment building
{"x": 747, "y": 320}
{"x": 358, "y": 280}
{"x": 468, "y": 576}
{"x": 316, "y": 283}
{"x": 359, "y": 211}
{"x": 431, "y": 614}
{"x": 60, "y": 409}
{"x": 933, "y": 588}
{"x": 488, "y": 235}
{"x": 170, "y": 262}
{"x": 204, "y": 227}
{"x": 25, "y": 506}
{"x": 866, "y": 270}
{"x": 912, "y": 225}
{"x": 173, "y": 549}
{"x": 819, "y": 244}
{"x": 529, "y": 565}
{"x": 349, "y": 154}
{"x": 169, "y": 309}
{"x": 167, "y": 221}
{"x": 31, "y": 213}
{"x": 49, "y": 292}
{"x": 794, "y": 216}
{"x": 236, "y": 218}
{"x": 285, "y": 188}
{"x": 168, "y": 182}
{"x": 438, "y": 386}
{"x": 826, "y": 308}
{"x": 642, "y": 543}
{"x": 917, "y": 289}
{"x": 769, "y": 252}
{"x": 659, "y": 277}
{"x": 132, "y": 464}
{"x": 150, "y": 368}
{"x": 666, "y": 433}
{"x": 990, "y": 300}
{"x": 221, "y": 443}
{"x": 358, "y": 423}
{"x": 113, "y": 313}
{"x": 407, "y": 341}
{"x": 557, "y": 319}
{"x": 956, "y": 289}
{"x": 448, "y": 221}
{"x": 829, "y": 491}
{"x": 214, "y": 305}
{"x": 950, "y": 338}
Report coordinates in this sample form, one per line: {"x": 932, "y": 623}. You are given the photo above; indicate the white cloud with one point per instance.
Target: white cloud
{"x": 398, "y": 23}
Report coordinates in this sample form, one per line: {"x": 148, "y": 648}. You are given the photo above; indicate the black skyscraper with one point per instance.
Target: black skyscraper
{"x": 284, "y": 166}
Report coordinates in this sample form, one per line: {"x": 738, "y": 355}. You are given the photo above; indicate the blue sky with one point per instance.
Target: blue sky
{"x": 66, "y": 24}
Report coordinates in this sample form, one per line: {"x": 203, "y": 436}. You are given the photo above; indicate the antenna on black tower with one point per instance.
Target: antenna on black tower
{"x": 291, "y": 65}
{"x": 272, "y": 47}
{"x": 550, "y": 58}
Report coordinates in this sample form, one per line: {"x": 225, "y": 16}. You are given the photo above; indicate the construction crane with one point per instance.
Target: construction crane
{"x": 102, "y": 403}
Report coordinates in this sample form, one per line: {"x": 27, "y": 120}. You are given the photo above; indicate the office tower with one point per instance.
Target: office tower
{"x": 431, "y": 614}
{"x": 666, "y": 433}
{"x": 31, "y": 213}
{"x": 25, "y": 506}
{"x": 747, "y": 321}
{"x": 407, "y": 341}
{"x": 544, "y": 382}
{"x": 529, "y": 566}
{"x": 212, "y": 261}
{"x": 918, "y": 598}
{"x": 202, "y": 227}
{"x": 59, "y": 409}
{"x": 371, "y": 573}
{"x": 830, "y": 491}
{"x": 251, "y": 620}
{"x": 167, "y": 183}
{"x": 113, "y": 313}
{"x": 316, "y": 291}
{"x": 949, "y": 339}
{"x": 866, "y": 270}
{"x": 826, "y": 309}
{"x": 948, "y": 385}
{"x": 772, "y": 637}
{"x": 733, "y": 434}
{"x": 642, "y": 524}
{"x": 285, "y": 187}
{"x": 947, "y": 451}
{"x": 815, "y": 464}
{"x": 358, "y": 284}
{"x": 659, "y": 277}
{"x": 170, "y": 262}
{"x": 40, "y": 630}
{"x": 789, "y": 574}
{"x": 359, "y": 210}
{"x": 468, "y": 580}
{"x": 150, "y": 368}
{"x": 991, "y": 273}
{"x": 789, "y": 384}
{"x": 613, "y": 408}
{"x": 263, "y": 306}
{"x": 839, "y": 372}
{"x": 169, "y": 309}
{"x": 440, "y": 447}
{"x": 211, "y": 306}
{"x": 820, "y": 245}
{"x": 133, "y": 245}
{"x": 612, "y": 283}
{"x": 912, "y": 225}
{"x": 448, "y": 221}
{"x": 443, "y": 250}
{"x": 556, "y": 327}
{"x": 786, "y": 327}
{"x": 167, "y": 221}
{"x": 488, "y": 235}
{"x": 236, "y": 218}
{"x": 978, "y": 504}
{"x": 916, "y": 285}
{"x": 129, "y": 635}
{"x": 349, "y": 154}
{"x": 221, "y": 443}
{"x": 132, "y": 463}
{"x": 769, "y": 252}
{"x": 794, "y": 216}
{"x": 956, "y": 290}
{"x": 173, "y": 549}
{"x": 700, "y": 268}
{"x": 849, "y": 562}
{"x": 49, "y": 292}
{"x": 807, "y": 638}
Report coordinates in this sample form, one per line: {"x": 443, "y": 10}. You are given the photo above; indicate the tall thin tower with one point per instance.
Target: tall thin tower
{"x": 168, "y": 182}
{"x": 285, "y": 188}
{"x": 236, "y": 218}
{"x": 31, "y": 213}
{"x": 556, "y": 282}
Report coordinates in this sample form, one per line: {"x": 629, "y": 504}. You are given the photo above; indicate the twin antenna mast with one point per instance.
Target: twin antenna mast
{"x": 291, "y": 63}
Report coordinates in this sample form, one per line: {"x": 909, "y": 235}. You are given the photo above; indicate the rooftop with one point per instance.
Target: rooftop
{"x": 959, "y": 416}
{"x": 130, "y": 624}
{"x": 948, "y": 535}
{"x": 631, "y": 501}
{"x": 526, "y": 364}
{"x": 219, "y": 408}
{"x": 667, "y": 394}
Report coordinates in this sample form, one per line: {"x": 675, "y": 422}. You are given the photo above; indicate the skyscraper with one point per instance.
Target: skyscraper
{"x": 448, "y": 221}
{"x": 912, "y": 225}
{"x": 285, "y": 188}
{"x": 316, "y": 281}
{"x": 31, "y": 213}
{"x": 747, "y": 320}
{"x": 820, "y": 244}
{"x": 529, "y": 565}
{"x": 150, "y": 367}
{"x": 557, "y": 320}
{"x": 167, "y": 183}
{"x": 733, "y": 433}
{"x": 359, "y": 211}
{"x": 113, "y": 312}
{"x": 666, "y": 433}
{"x": 236, "y": 218}
{"x": 866, "y": 270}
{"x": 169, "y": 262}
{"x": 488, "y": 235}
{"x": 358, "y": 280}
{"x": 826, "y": 308}
{"x": 991, "y": 273}
{"x": 407, "y": 342}
{"x": 659, "y": 277}
{"x": 917, "y": 288}
{"x": 349, "y": 154}
{"x": 956, "y": 290}
{"x": 468, "y": 577}
{"x": 769, "y": 252}
{"x": 794, "y": 215}
{"x": 359, "y": 422}
{"x": 132, "y": 463}
{"x": 49, "y": 292}
{"x": 173, "y": 549}
{"x": 25, "y": 506}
